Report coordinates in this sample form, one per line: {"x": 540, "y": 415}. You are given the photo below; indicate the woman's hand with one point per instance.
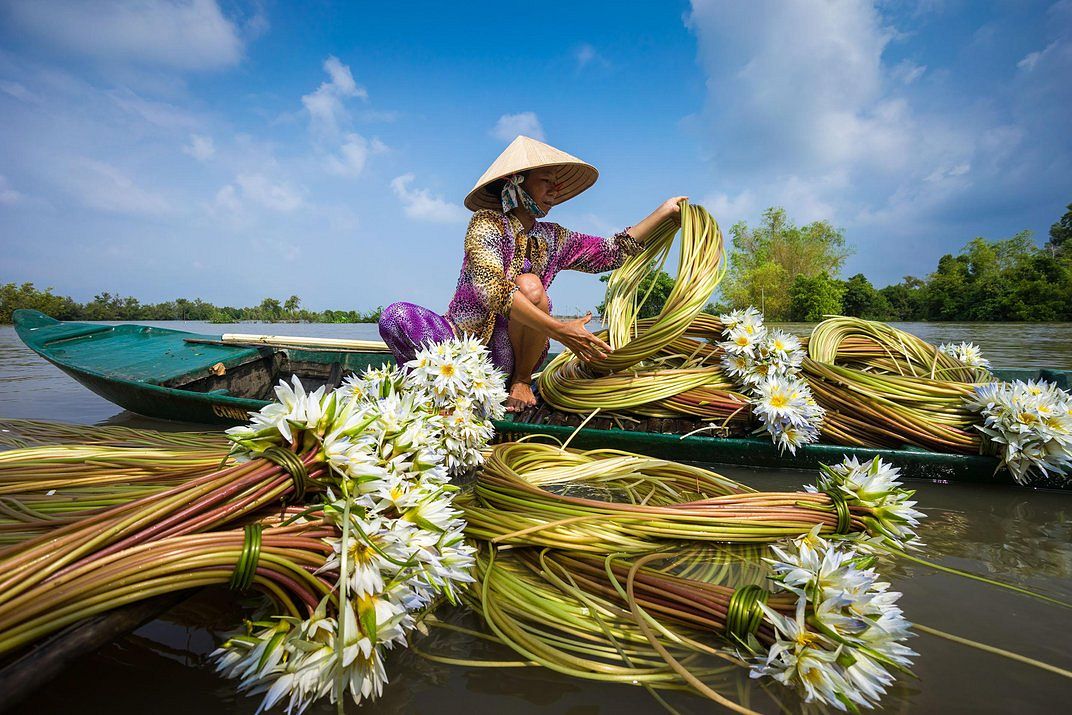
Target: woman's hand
{"x": 582, "y": 343}
{"x": 671, "y": 208}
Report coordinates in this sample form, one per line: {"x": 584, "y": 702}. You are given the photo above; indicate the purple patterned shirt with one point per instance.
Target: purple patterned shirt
{"x": 498, "y": 249}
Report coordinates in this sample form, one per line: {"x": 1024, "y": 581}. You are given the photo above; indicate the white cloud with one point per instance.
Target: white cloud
{"x": 200, "y": 147}
{"x": 809, "y": 77}
{"x": 260, "y": 191}
{"x": 178, "y": 34}
{"x": 325, "y": 106}
{"x": 353, "y": 155}
{"x": 18, "y": 91}
{"x": 1057, "y": 47}
{"x": 8, "y": 195}
{"x": 227, "y": 199}
{"x": 908, "y": 72}
{"x": 510, "y": 125}
{"x": 276, "y": 196}
{"x": 944, "y": 173}
{"x": 421, "y": 205}
{"x": 342, "y": 80}
{"x": 161, "y": 114}
{"x": 1029, "y": 61}
{"x": 728, "y": 210}
{"x": 587, "y": 55}
{"x": 104, "y": 187}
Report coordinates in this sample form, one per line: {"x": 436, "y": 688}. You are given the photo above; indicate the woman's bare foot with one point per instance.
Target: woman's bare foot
{"x": 521, "y": 397}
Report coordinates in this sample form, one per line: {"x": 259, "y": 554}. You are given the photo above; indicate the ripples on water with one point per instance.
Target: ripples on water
{"x": 1015, "y": 535}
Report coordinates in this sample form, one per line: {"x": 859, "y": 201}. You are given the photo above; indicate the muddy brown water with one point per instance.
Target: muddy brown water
{"x": 1016, "y": 535}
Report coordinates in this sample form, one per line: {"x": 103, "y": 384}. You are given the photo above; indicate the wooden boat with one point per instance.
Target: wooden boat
{"x": 177, "y": 375}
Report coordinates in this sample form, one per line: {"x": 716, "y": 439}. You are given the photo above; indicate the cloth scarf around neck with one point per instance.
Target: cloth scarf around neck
{"x": 513, "y": 196}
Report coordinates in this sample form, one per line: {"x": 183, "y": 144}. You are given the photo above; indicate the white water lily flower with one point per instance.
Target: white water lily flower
{"x": 432, "y": 514}
{"x": 1030, "y": 423}
{"x": 804, "y": 659}
{"x": 748, "y": 315}
{"x": 868, "y": 676}
{"x": 767, "y": 364}
{"x": 876, "y": 485}
{"x": 782, "y": 343}
{"x": 740, "y": 340}
{"x": 373, "y": 550}
{"x": 781, "y": 400}
{"x": 865, "y": 482}
{"x": 847, "y": 628}
{"x": 811, "y": 564}
{"x": 967, "y": 353}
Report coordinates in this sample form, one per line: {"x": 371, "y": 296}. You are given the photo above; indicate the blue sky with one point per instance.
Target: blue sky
{"x": 235, "y": 150}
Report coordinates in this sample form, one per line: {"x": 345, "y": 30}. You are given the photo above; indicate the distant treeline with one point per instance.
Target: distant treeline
{"x": 792, "y": 273}
{"x": 1010, "y": 280}
{"x": 113, "y": 307}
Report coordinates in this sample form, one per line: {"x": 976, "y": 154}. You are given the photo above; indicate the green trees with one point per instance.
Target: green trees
{"x": 1009, "y": 279}
{"x": 861, "y": 300}
{"x": 14, "y": 296}
{"x": 766, "y": 261}
{"x": 811, "y": 299}
{"x": 904, "y": 300}
{"x": 659, "y": 282}
{"x": 1060, "y": 243}
{"x": 791, "y": 273}
{"x": 106, "y": 306}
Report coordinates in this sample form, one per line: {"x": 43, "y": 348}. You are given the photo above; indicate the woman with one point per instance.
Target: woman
{"x": 510, "y": 260}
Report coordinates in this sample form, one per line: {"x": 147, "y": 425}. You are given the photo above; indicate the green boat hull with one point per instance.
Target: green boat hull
{"x": 170, "y": 374}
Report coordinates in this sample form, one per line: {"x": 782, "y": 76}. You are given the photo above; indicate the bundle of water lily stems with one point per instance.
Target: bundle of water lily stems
{"x": 603, "y": 565}
{"x": 615, "y": 567}
{"x": 662, "y": 366}
{"x": 654, "y": 500}
{"x": 44, "y": 487}
{"x": 883, "y": 387}
{"x": 203, "y": 498}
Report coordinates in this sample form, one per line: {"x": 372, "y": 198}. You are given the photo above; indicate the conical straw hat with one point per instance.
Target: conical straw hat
{"x": 523, "y": 154}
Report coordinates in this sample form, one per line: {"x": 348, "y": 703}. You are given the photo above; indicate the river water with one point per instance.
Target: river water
{"x": 1016, "y": 535}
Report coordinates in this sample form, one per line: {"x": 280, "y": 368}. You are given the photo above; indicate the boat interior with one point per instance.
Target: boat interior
{"x": 256, "y": 376}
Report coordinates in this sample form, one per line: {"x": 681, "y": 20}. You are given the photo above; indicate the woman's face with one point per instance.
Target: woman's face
{"x": 541, "y": 186}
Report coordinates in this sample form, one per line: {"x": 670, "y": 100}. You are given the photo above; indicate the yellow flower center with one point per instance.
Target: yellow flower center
{"x": 779, "y": 400}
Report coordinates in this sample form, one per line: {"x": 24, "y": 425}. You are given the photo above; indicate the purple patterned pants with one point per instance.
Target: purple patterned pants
{"x": 405, "y": 327}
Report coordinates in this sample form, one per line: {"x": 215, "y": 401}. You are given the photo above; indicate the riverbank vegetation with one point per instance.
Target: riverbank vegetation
{"x": 106, "y": 306}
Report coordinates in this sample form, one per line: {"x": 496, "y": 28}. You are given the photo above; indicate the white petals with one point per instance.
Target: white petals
{"x": 846, "y": 631}
{"x": 1030, "y": 423}
{"x": 766, "y": 364}
{"x": 876, "y": 485}
{"x": 967, "y": 353}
